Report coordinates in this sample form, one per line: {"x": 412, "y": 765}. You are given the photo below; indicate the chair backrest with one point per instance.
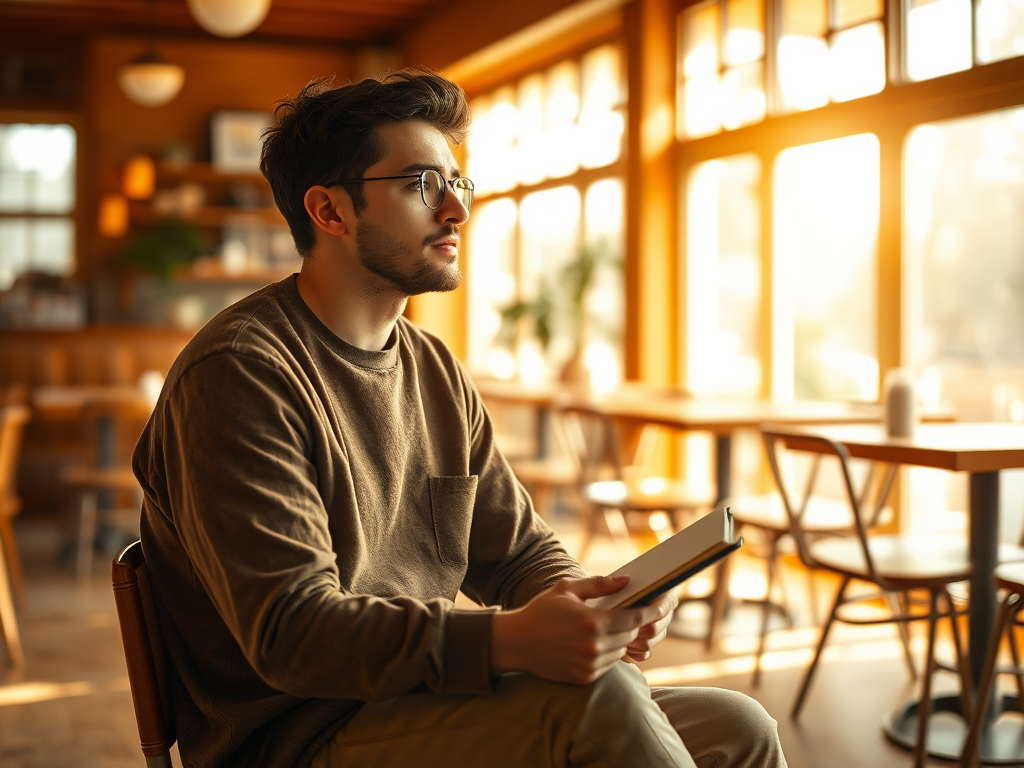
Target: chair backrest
{"x": 866, "y": 507}
{"x": 145, "y": 655}
{"x": 13, "y": 419}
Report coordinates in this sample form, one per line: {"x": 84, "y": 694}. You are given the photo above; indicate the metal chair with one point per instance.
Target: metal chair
{"x": 145, "y": 655}
{"x": 1009, "y": 577}
{"x": 618, "y": 487}
{"x": 895, "y": 563}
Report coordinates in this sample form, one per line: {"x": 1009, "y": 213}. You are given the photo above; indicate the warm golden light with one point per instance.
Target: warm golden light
{"x": 803, "y": 72}
{"x": 858, "y": 62}
{"x": 139, "y": 178}
{"x": 938, "y": 38}
{"x": 825, "y": 246}
{"x": 113, "y": 216}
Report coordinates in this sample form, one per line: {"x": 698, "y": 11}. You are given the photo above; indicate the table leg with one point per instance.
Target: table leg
{"x": 984, "y": 544}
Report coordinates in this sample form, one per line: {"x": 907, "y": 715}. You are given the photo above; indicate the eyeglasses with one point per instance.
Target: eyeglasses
{"x": 433, "y": 187}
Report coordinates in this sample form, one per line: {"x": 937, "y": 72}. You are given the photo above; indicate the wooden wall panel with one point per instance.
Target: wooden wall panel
{"x": 218, "y": 75}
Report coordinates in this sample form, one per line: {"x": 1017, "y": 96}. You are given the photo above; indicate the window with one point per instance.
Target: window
{"x": 868, "y": 239}
{"x": 37, "y": 200}
{"x": 824, "y": 250}
{"x": 545, "y": 153}
{"x": 945, "y": 36}
{"x": 826, "y": 51}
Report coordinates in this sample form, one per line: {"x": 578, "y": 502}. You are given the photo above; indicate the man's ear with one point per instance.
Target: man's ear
{"x": 324, "y": 212}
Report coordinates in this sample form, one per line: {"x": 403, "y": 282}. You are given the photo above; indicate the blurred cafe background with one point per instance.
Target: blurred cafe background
{"x": 771, "y": 202}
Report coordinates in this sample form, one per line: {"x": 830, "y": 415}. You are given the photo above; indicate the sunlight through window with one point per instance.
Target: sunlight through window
{"x": 825, "y": 261}
{"x": 938, "y": 38}
{"x": 723, "y": 301}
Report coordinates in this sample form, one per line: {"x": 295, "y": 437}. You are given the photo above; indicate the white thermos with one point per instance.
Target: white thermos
{"x": 900, "y": 403}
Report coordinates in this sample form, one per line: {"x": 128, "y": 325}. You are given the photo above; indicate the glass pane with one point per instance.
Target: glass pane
{"x": 1000, "y": 29}
{"x": 13, "y": 250}
{"x": 36, "y": 245}
{"x": 701, "y": 101}
{"x": 825, "y": 261}
{"x": 742, "y": 95}
{"x": 700, "y": 36}
{"x": 723, "y": 251}
{"x": 938, "y": 38}
{"x": 601, "y": 124}
{"x": 858, "y": 62}
{"x": 37, "y": 168}
{"x": 803, "y": 66}
{"x": 492, "y": 284}
{"x": 549, "y": 240}
{"x": 805, "y": 18}
{"x": 561, "y": 108}
{"x": 744, "y": 31}
{"x": 851, "y": 12}
{"x": 491, "y": 145}
{"x": 603, "y": 209}
{"x": 965, "y": 289}
{"x": 530, "y": 155}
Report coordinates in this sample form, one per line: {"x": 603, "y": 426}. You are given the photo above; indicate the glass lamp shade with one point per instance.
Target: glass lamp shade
{"x": 149, "y": 81}
{"x": 229, "y": 18}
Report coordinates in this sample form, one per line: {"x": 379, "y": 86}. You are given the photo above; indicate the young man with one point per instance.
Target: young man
{"x": 321, "y": 479}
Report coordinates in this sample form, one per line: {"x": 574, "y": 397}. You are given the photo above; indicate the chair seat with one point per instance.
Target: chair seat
{"x": 94, "y": 478}
{"x": 1010, "y": 576}
{"x": 904, "y": 560}
{"x": 555, "y": 470}
{"x": 766, "y": 511}
{"x": 647, "y": 495}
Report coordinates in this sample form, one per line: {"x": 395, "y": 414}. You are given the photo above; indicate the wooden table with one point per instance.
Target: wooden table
{"x": 982, "y": 450}
{"x": 723, "y": 417}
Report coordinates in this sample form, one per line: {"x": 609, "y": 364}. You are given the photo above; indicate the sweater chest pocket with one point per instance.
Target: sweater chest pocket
{"x": 451, "y": 507}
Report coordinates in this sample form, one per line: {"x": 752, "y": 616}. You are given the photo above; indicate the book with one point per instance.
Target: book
{"x": 674, "y": 560}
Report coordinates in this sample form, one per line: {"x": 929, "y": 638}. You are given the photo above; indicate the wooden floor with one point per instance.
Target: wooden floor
{"x": 70, "y": 704}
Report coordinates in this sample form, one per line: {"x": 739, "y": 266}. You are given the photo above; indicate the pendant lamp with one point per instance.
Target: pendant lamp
{"x": 147, "y": 79}
{"x": 150, "y": 81}
{"x": 229, "y": 18}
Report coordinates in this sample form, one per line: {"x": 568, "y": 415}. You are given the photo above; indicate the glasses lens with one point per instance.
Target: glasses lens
{"x": 432, "y": 188}
{"x": 464, "y": 189}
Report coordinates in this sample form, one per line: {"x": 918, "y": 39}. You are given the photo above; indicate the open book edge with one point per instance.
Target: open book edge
{"x": 716, "y": 531}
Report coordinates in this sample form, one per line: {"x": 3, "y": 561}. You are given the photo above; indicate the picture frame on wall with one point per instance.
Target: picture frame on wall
{"x": 235, "y": 139}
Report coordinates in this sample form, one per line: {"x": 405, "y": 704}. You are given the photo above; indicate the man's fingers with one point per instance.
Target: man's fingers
{"x": 594, "y": 586}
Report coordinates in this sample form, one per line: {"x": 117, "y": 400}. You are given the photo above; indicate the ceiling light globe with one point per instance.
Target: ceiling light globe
{"x": 229, "y": 18}
{"x": 151, "y": 83}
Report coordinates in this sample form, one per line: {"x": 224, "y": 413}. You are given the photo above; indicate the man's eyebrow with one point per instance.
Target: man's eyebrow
{"x": 429, "y": 167}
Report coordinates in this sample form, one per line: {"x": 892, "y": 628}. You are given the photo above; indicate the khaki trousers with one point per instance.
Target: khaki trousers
{"x": 615, "y": 722}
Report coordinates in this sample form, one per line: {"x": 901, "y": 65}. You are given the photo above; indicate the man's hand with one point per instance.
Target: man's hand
{"x": 557, "y": 637}
{"x": 652, "y": 634}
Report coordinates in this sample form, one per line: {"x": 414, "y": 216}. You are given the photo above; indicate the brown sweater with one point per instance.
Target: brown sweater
{"x": 311, "y": 510}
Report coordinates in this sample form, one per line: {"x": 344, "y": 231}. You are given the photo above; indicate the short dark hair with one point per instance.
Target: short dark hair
{"x": 328, "y": 133}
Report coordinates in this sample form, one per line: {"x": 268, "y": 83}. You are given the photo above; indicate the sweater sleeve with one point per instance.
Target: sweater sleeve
{"x": 242, "y": 490}
{"x": 514, "y": 554}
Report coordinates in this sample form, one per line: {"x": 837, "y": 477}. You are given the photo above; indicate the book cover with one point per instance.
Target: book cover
{"x": 673, "y": 561}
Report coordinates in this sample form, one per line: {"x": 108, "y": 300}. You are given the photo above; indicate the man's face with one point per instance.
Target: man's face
{"x": 398, "y": 238}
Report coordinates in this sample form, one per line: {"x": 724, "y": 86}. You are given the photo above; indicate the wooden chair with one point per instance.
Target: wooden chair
{"x": 895, "y": 563}
{"x": 546, "y": 475}
{"x": 106, "y": 478}
{"x": 13, "y": 419}
{"x": 145, "y": 655}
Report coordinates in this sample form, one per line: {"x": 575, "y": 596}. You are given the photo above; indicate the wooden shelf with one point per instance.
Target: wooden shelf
{"x": 212, "y": 271}
{"x": 204, "y": 173}
{"x": 207, "y": 216}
